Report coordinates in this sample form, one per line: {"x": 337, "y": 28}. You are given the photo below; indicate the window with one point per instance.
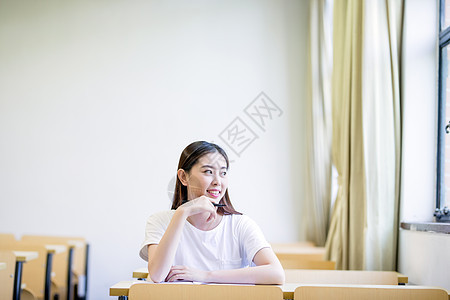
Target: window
{"x": 443, "y": 159}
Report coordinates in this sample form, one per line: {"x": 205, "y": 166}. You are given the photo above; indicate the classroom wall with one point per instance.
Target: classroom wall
{"x": 423, "y": 256}
{"x": 98, "y": 99}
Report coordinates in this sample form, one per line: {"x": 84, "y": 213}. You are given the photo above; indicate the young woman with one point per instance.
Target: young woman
{"x": 198, "y": 240}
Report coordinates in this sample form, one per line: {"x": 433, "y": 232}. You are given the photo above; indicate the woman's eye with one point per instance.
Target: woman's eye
{"x": 208, "y": 171}
{"x": 224, "y": 173}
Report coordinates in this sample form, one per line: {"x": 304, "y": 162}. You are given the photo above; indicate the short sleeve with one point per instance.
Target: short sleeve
{"x": 251, "y": 238}
{"x": 154, "y": 230}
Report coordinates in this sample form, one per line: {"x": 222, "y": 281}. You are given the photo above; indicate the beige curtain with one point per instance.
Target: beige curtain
{"x": 366, "y": 133}
{"x": 381, "y": 130}
{"x": 345, "y": 243}
{"x": 318, "y": 117}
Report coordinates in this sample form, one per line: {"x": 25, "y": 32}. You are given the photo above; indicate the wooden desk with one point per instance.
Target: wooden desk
{"x": 402, "y": 279}
{"x": 141, "y": 273}
{"x": 121, "y": 288}
{"x": 24, "y": 256}
{"x": 55, "y": 249}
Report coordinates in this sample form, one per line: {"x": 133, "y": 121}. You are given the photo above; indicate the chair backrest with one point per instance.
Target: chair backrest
{"x": 312, "y": 254}
{"x": 291, "y": 247}
{"x": 33, "y": 275}
{"x": 374, "y": 292}
{"x": 60, "y": 264}
{"x": 7, "y": 274}
{"x": 6, "y": 238}
{"x": 341, "y": 277}
{"x": 150, "y": 291}
{"x": 78, "y": 243}
{"x": 308, "y": 264}
{"x": 298, "y": 256}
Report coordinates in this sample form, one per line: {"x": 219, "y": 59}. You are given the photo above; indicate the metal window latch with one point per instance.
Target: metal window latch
{"x": 447, "y": 128}
{"x": 442, "y": 215}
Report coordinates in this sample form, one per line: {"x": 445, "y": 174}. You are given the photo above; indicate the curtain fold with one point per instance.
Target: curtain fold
{"x": 345, "y": 244}
{"x": 318, "y": 104}
{"x": 381, "y": 126}
{"x": 366, "y": 133}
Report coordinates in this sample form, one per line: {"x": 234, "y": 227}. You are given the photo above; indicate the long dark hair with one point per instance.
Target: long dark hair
{"x": 189, "y": 157}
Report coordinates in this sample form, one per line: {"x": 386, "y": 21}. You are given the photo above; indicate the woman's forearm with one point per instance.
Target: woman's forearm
{"x": 263, "y": 274}
{"x": 160, "y": 262}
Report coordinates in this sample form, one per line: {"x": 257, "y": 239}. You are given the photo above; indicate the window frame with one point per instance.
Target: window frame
{"x": 444, "y": 41}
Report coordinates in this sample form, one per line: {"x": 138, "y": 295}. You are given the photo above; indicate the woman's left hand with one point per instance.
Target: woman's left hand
{"x": 183, "y": 273}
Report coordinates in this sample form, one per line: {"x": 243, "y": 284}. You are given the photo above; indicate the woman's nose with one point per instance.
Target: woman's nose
{"x": 216, "y": 180}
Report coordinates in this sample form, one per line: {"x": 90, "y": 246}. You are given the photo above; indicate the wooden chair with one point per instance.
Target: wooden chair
{"x": 75, "y": 268}
{"x": 141, "y": 273}
{"x": 291, "y": 247}
{"x": 313, "y": 253}
{"x": 6, "y": 238}
{"x": 308, "y": 264}
{"x": 7, "y": 272}
{"x": 342, "y": 277}
{"x": 36, "y": 275}
{"x": 16, "y": 271}
{"x": 150, "y": 291}
{"x": 306, "y": 258}
{"x": 373, "y": 292}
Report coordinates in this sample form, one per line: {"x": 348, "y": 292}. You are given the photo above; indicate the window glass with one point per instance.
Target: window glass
{"x": 445, "y": 94}
{"x": 443, "y": 178}
{"x": 446, "y": 15}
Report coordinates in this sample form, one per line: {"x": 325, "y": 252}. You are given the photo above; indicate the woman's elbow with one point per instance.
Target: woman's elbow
{"x": 274, "y": 275}
{"x": 156, "y": 277}
{"x": 279, "y": 276}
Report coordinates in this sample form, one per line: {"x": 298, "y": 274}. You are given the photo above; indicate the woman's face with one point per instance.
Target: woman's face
{"x": 208, "y": 177}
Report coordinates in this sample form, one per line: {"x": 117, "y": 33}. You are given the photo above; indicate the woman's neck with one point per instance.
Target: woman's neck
{"x": 199, "y": 221}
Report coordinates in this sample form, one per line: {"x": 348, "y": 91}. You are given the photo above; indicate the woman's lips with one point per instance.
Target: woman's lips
{"x": 213, "y": 193}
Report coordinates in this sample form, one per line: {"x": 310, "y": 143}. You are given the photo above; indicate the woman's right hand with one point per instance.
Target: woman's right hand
{"x": 200, "y": 205}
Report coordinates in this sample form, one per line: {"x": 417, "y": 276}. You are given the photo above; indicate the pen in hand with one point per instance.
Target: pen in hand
{"x": 215, "y": 204}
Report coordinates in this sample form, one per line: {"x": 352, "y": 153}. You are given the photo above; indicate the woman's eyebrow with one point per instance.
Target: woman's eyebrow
{"x": 212, "y": 167}
{"x": 208, "y": 166}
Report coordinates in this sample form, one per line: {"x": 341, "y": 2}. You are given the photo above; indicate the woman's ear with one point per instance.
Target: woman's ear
{"x": 182, "y": 176}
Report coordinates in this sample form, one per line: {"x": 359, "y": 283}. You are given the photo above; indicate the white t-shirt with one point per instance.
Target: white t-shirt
{"x": 231, "y": 245}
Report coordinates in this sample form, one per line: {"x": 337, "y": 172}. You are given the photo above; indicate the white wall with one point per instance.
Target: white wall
{"x": 424, "y": 257}
{"x": 98, "y": 99}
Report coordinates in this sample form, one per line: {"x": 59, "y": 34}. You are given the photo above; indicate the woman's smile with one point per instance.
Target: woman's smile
{"x": 213, "y": 193}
